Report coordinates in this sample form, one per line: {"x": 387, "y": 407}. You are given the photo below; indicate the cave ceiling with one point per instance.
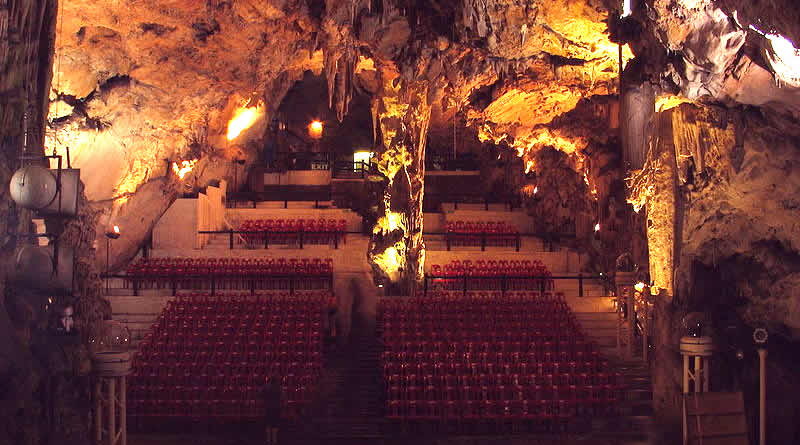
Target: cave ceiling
{"x": 142, "y": 81}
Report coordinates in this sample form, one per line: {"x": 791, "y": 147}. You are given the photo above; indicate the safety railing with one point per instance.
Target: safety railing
{"x": 251, "y": 200}
{"x": 509, "y": 202}
{"x": 216, "y": 281}
{"x": 350, "y": 170}
{"x": 502, "y": 283}
{"x": 257, "y": 238}
{"x": 443, "y": 163}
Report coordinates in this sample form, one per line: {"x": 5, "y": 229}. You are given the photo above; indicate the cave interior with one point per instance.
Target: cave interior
{"x": 369, "y": 167}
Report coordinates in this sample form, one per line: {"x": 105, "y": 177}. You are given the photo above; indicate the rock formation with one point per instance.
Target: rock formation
{"x": 707, "y": 144}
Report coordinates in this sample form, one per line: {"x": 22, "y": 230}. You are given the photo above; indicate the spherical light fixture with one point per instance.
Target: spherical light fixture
{"x": 760, "y": 336}
{"x": 33, "y": 187}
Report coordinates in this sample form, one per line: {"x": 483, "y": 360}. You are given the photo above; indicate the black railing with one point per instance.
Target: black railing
{"x": 215, "y": 281}
{"x": 300, "y": 161}
{"x": 441, "y": 163}
{"x": 250, "y": 200}
{"x": 503, "y": 283}
{"x": 509, "y": 201}
{"x": 263, "y": 237}
{"x": 350, "y": 170}
{"x": 482, "y": 239}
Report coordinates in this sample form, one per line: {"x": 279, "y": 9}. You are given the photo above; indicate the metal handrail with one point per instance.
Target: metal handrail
{"x": 349, "y": 170}
{"x": 504, "y": 281}
{"x": 266, "y": 234}
{"x": 547, "y": 244}
{"x": 508, "y": 200}
{"x": 214, "y": 277}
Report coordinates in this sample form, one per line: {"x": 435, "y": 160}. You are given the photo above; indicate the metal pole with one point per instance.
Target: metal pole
{"x": 112, "y": 417}
{"x": 123, "y": 412}
{"x": 98, "y": 409}
{"x": 762, "y": 396}
{"x": 108, "y": 249}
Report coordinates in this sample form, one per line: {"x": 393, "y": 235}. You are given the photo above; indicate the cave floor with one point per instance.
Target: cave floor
{"x": 232, "y": 439}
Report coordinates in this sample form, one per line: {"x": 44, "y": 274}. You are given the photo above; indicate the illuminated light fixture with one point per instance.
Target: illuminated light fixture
{"x": 243, "y": 119}
{"x": 597, "y": 227}
{"x": 315, "y": 129}
{"x": 627, "y": 8}
{"x": 359, "y": 158}
{"x": 536, "y": 190}
{"x": 184, "y": 168}
{"x": 113, "y": 233}
{"x": 639, "y": 287}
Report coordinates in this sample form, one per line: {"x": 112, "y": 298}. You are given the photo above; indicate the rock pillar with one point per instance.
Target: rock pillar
{"x": 402, "y": 114}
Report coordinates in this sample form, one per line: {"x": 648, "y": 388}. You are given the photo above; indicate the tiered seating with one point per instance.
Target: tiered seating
{"x": 460, "y": 233}
{"x": 290, "y": 231}
{"x": 231, "y": 273}
{"x": 503, "y": 363}
{"x": 492, "y": 275}
{"x": 207, "y": 357}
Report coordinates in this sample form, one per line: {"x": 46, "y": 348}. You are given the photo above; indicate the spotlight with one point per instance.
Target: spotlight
{"x": 113, "y": 233}
{"x": 315, "y": 129}
{"x": 639, "y": 287}
{"x": 597, "y": 227}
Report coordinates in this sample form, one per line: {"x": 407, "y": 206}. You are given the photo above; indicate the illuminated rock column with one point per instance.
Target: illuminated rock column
{"x": 397, "y": 250}
{"x": 661, "y": 206}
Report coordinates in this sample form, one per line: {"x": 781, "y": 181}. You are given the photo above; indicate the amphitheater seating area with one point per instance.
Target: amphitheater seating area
{"x": 502, "y": 363}
{"x": 207, "y": 358}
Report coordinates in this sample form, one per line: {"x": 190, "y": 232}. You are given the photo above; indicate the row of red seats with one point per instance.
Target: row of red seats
{"x": 497, "y": 392}
{"x": 282, "y": 231}
{"x": 294, "y": 225}
{"x": 451, "y": 299}
{"x": 481, "y": 233}
{"x": 233, "y": 274}
{"x": 187, "y": 374}
{"x": 229, "y": 266}
{"x": 588, "y": 373}
{"x": 469, "y": 416}
{"x": 187, "y": 354}
{"x": 489, "y": 227}
{"x": 495, "y": 355}
{"x": 492, "y": 267}
{"x": 214, "y": 404}
{"x": 277, "y": 301}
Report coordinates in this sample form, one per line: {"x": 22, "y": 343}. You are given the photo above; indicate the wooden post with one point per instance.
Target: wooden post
{"x": 98, "y": 410}
{"x": 123, "y": 411}
{"x": 762, "y": 396}
{"x": 685, "y": 391}
{"x": 112, "y": 419}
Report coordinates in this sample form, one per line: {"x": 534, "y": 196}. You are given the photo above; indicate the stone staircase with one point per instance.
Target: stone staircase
{"x": 350, "y": 405}
{"x": 634, "y": 425}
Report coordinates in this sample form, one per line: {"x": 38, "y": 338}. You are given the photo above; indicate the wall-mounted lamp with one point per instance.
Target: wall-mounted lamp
{"x": 111, "y": 234}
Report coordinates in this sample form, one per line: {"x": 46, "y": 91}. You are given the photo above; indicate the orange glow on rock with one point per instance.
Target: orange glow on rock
{"x": 184, "y": 168}
{"x": 243, "y": 119}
